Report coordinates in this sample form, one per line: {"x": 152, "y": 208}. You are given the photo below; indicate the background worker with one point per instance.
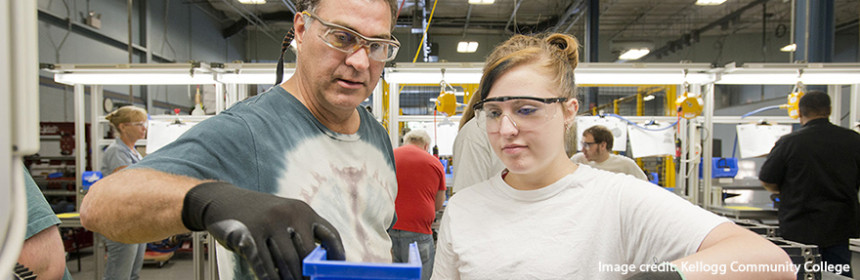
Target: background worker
{"x": 816, "y": 172}
{"x": 300, "y": 163}
{"x": 474, "y": 160}
{"x": 597, "y": 152}
{"x": 124, "y": 261}
{"x": 420, "y": 193}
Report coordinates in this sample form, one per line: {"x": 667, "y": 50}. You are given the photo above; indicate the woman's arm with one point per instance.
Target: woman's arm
{"x": 732, "y": 247}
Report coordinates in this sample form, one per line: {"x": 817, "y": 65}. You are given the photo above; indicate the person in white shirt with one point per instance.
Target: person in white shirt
{"x": 597, "y": 152}
{"x": 474, "y": 160}
{"x": 545, "y": 217}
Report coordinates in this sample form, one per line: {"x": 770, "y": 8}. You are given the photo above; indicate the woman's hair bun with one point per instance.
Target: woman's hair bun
{"x": 568, "y": 46}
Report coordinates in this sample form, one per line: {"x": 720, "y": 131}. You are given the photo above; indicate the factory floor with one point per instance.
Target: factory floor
{"x": 179, "y": 267}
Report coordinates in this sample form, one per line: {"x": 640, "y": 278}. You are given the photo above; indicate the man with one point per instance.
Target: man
{"x": 327, "y": 162}
{"x": 816, "y": 172}
{"x": 597, "y": 152}
{"x": 420, "y": 193}
{"x": 42, "y": 252}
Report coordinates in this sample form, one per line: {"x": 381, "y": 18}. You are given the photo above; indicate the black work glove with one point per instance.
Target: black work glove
{"x": 657, "y": 275}
{"x": 273, "y": 234}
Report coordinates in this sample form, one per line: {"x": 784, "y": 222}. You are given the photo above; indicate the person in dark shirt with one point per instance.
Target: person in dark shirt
{"x": 816, "y": 172}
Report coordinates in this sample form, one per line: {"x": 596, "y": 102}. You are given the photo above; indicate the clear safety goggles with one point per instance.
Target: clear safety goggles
{"x": 347, "y": 40}
{"x": 524, "y": 112}
{"x": 141, "y": 124}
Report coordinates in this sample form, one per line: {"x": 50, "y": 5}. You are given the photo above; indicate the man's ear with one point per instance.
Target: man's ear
{"x": 300, "y": 26}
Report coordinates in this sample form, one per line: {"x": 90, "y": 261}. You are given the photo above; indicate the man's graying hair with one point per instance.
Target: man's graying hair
{"x": 311, "y": 5}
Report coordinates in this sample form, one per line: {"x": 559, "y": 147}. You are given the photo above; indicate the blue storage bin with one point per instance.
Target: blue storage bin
{"x": 89, "y": 178}
{"x": 722, "y": 167}
{"x": 317, "y": 267}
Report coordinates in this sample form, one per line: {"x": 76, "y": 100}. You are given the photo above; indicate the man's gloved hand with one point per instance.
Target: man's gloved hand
{"x": 273, "y": 234}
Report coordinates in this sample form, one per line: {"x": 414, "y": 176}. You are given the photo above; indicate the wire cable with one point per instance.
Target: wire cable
{"x": 639, "y": 126}
{"x": 759, "y": 110}
{"x": 429, "y": 20}
{"x": 398, "y": 12}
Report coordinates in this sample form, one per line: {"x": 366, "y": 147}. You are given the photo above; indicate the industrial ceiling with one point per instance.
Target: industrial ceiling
{"x": 619, "y": 19}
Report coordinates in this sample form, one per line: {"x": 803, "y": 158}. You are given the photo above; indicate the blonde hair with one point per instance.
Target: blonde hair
{"x": 557, "y": 53}
{"x": 417, "y": 137}
{"x": 126, "y": 114}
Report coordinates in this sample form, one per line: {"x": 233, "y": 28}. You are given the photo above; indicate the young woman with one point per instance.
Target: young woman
{"x": 545, "y": 217}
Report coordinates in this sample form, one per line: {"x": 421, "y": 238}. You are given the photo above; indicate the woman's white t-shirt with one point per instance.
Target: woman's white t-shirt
{"x": 588, "y": 225}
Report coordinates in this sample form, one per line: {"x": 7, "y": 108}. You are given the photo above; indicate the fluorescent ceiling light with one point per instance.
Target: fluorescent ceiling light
{"x": 252, "y": 2}
{"x": 648, "y": 98}
{"x": 586, "y": 73}
{"x": 789, "y": 48}
{"x": 481, "y": 2}
{"x": 634, "y": 54}
{"x": 639, "y": 78}
{"x": 133, "y": 79}
{"x": 787, "y": 74}
{"x": 252, "y": 73}
{"x": 709, "y": 2}
{"x": 134, "y": 74}
{"x": 467, "y": 47}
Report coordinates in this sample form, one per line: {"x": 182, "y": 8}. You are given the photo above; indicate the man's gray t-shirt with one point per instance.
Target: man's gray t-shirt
{"x": 271, "y": 143}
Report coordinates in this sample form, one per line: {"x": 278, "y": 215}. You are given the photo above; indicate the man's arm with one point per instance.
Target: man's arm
{"x": 440, "y": 199}
{"x": 43, "y": 254}
{"x": 136, "y": 205}
{"x": 771, "y": 187}
{"x": 728, "y": 243}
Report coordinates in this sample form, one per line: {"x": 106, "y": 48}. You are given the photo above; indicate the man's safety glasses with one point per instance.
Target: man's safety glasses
{"x": 525, "y": 112}
{"x": 347, "y": 40}
{"x": 586, "y": 145}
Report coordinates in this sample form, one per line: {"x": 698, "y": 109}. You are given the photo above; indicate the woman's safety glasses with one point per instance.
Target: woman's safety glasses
{"x": 141, "y": 124}
{"x": 525, "y": 112}
{"x": 347, "y": 40}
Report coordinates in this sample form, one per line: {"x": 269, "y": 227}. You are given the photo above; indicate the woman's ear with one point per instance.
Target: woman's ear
{"x": 571, "y": 107}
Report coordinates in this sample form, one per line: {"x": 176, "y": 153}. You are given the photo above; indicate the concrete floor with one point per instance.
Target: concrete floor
{"x": 179, "y": 267}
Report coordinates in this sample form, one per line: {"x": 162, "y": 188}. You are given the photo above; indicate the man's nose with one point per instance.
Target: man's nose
{"x": 359, "y": 59}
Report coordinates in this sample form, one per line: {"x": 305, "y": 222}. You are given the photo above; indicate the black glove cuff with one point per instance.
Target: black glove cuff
{"x": 198, "y": 200}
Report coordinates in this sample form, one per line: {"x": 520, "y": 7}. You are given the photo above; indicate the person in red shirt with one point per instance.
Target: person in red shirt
{"x": 420, "y": 193}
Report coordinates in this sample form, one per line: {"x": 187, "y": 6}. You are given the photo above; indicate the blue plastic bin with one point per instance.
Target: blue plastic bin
{"x": 722, "y": 167}
{"x": 317, "y": 267}
{"x": 89, "y": 178}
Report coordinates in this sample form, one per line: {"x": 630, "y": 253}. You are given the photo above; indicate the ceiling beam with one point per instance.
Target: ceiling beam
{"x": 693, "y": 37}
{"x": 575, "y": 8}
{"x": 468, "y": 17}
{"x": 243, "y": 23}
